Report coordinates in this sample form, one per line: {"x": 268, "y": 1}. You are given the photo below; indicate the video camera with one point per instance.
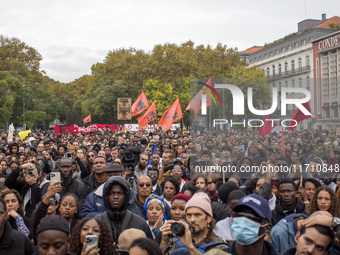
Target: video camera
{"x": 130, "y": 157}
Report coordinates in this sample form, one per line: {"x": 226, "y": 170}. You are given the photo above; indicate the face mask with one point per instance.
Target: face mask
{"x": 246, "y": 231}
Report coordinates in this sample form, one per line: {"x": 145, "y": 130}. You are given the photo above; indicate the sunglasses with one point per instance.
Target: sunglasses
{"x": 152, "y": 175}
{"x": 147, "y": 184}
{"x": 90, "y": 156}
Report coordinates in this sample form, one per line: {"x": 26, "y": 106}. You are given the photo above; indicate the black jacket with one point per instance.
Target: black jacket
{"x": 119, "y": 221}
{"x": 23, "y": 187}
{"x": 90, "y": 183}
{"x": 75, "y": 187}
{"x": 279, "y": 213}
{"x": 268, "y": 249}
{"x": 14, "y": 242}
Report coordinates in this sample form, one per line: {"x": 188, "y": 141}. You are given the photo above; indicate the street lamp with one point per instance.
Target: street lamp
{"x": 23, "y": 107}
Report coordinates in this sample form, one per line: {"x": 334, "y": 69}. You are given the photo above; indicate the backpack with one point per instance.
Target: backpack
{"x": 202, "y": 248}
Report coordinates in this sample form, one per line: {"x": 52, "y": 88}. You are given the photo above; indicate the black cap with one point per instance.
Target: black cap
{"x": 206, "y": 152}
{"x": 114, "y": 169}
{"x": 54, "y": 222}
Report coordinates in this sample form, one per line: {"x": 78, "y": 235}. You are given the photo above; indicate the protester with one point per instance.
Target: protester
{"x": 91, "y": 226}
{"x": 52, "y": 236}
{"x": 116, "y": 199}
{"x": 11, "y": 241}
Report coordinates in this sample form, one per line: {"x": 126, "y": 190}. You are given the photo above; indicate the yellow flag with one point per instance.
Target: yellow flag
{"x": 23, "y": 134}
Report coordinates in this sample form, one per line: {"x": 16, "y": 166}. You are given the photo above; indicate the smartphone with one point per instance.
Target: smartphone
{"x": 90, "y": 241}
{"x": 55, "y": 177}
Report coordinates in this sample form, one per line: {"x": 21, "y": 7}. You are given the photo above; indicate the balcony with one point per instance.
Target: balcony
{"x": 296, "y": 71}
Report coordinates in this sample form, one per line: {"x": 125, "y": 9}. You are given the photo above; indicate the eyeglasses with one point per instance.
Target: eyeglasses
{"x": 147, "y": 184}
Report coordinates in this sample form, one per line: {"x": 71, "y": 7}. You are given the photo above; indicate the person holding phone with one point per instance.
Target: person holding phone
{"x": 91, "y": 228}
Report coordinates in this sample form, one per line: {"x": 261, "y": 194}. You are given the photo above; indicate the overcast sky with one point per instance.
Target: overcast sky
{"x": 73, "y": 35}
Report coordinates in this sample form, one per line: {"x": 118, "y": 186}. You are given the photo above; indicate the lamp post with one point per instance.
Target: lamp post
{"x": 23, "y": 107}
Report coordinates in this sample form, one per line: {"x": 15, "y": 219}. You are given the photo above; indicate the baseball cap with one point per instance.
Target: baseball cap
{"x": 256, "y": 203}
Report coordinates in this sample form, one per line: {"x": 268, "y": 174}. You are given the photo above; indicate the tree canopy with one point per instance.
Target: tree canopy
{"x": 164, "y": 73}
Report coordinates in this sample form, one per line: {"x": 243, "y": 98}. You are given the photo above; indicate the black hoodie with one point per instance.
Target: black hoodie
{"x": 279, "y": 213}
{"x": 119, "y": 221}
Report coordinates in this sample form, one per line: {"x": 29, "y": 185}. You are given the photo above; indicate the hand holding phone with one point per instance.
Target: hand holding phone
{"x": 91, "y": 241}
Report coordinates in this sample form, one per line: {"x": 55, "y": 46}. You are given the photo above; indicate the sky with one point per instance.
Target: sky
{"x": 73, "y": 35}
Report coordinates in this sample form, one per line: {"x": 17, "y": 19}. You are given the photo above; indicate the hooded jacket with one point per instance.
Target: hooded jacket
{"x": 279, "y": 213}
{"x": 283, "y": 233}
{"x": 119, "y": 221}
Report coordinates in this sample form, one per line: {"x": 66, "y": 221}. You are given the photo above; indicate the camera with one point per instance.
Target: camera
{"x": 68, "y": 154}
{"x": 30, "y": 172}
{"x": 178, "y": 229}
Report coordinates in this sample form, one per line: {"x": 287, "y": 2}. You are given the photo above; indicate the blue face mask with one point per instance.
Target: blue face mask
{"x": 246, "y": 231}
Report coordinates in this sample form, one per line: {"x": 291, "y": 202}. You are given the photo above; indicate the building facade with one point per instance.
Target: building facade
{"x": 326, "y": 59}
{"x": 289, "y": 63}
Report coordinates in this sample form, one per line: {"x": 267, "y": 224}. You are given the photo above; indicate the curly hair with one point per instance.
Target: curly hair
{"x": 104, "y": 242}
{"x": 335, "y": 206}
{"x": 20, "y": 210}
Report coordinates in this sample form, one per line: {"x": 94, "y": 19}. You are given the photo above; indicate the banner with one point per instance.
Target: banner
{"x": 148, "y": 128}
{"x": 24, "y": 134}
{"x": 140, "y": 105}
{"x": 75, "y": 129}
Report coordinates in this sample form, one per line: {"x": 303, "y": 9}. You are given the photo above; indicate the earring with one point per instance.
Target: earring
{"x": 208, "y": 225}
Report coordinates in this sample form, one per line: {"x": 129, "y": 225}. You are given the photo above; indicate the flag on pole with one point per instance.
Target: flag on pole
{"x": 299, "y": 116}
{"x": 87, "y": 119}
{"x": 148, "y": 116}
{"x": 172, "y": 114}
{"x": 283, "y": 146}
{"x": 195, "y": 103}
{"x": 140, "y": 105}
{"x": 267, "y": 126}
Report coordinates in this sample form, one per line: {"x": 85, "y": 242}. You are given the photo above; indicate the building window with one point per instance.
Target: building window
{"x": 283, "y": 49}
{"x": 286, "y": 67}
{"x": 293, "y": 83}
{"x": 303, "y": 42}
{"x": 300, "y": 82}
{"x": 308, "y": 83}
{"x": 300, "y": 64}
{"x": 280, "y": 69}
{"x": 296, "y": 45}
{"x": 270, "y": 54}
{"x": 286, "y": 84}
{"x": 336, "y": 112}
{"x": 277, "y": 52}
{"x": 307, "y": 61}
{"x": 268, "y": 71}
{"x": 265, "y": 55}
{"x": 289, "y": 47}
{"x": 293, "y": 66}
{"x": 311, "y": 38}
{"x": 273, "y": 71}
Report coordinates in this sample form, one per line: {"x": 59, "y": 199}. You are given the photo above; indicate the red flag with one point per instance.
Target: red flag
{"x": 195, "y": 103}
{"x": 87, "y": 119}
{"x": 267, "y": 126}
{"x": 173, "y": 113}
{"x": 283, "y": 146}
{"x": 140, "y": 105}
{"x": 148, "y": 116}
{"x": 299, "y": 116}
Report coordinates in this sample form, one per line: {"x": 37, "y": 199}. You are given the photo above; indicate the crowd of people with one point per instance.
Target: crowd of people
{"x": 220, "y": 192}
